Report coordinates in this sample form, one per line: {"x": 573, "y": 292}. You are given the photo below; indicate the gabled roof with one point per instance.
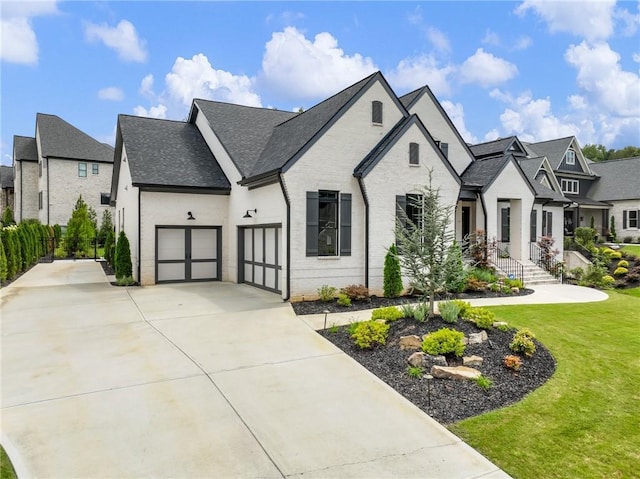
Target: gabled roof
{"x": 499, "y": 147}
{"x": 59, "y": 139}
{"x": 483, "y": 172}
{"x": 378, "y": 152}
{"x": 619, "y": 180}
{"x": 554, "y": 150}
{"x": 6, "y": 177}
{"x": 24, "y": 148}
{"x": 168, "y": 154}
{"x": 411, "y": 97}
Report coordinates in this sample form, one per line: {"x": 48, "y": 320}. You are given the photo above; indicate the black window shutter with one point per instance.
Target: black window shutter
{"x": 312, "y": 223}
{"x": 414, "y": 154}
{"x": 345, "y": 224}
{"x": 549, "y": 223}
{"x": 401, "y": 212}
{"x": 534, "y": 220}
{"x": 376, "y": 111}
{"x": 505, "y": 225}
{"x": 624, "y": 220}
{"x": 444, "y": 147}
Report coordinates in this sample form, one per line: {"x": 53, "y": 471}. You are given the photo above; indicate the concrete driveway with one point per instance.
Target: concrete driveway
{"x": 196, "y": 380}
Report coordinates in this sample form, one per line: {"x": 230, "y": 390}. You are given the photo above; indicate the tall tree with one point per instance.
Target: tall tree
{"x": 80, "y": 229}
{"x": 105, "y": 226}
{"x": 423, "y": 241}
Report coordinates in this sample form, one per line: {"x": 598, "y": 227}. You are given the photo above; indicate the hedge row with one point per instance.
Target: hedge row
{"x": 21, "y": 246}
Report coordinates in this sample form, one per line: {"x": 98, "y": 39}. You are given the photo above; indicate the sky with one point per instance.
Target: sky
{"x": 536, "y": 69}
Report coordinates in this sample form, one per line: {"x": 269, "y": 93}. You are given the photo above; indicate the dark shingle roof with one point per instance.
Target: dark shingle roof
{"x": 59, "y": 139}
{"x": 410, "y": 97}
{"x": 166, "y": 153}
{"x": 530, "y": 167}
{"x": 554, "y": 150}
{"x": 6, "y": 177}
{"x": 482, "y": 172}
{"x": 24, "y": 148}
{"x": 619, "y": 179}
{"x": 244, "y": 131}
{"x": 497, "y": 147}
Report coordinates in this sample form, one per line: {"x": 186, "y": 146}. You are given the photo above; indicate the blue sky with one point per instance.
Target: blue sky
{"x": 537, "y": 69}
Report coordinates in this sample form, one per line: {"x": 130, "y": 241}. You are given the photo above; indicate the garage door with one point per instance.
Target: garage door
{"x": 187, "y": 253}
{"x": 260, "y": 256}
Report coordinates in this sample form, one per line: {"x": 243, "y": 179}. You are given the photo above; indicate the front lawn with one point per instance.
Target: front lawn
{"x": 584, "y": 421}
{"x": 632, "y": 249}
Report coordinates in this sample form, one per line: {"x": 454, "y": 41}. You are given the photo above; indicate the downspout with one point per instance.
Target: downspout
{"x": 48, "y": 212}
{"x": 139, "y": 235}
{"x": 484, "y": 210}
{"x": 288, "y": 250}
{"x": 365, "y": 198}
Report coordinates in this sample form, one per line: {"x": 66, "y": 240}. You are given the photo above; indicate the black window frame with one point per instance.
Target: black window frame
{"x": 340, "y": 237}
{"x": 414, "y": 154}
{"x": 377, "y": 112}
{"x": 95, "y": 169}
{"x": 105, "y": 199}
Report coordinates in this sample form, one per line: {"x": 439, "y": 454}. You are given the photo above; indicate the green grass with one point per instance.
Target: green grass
{"x": 633, "y": 249}
{"x": 583, "y": 423}
{"x": 631, "y": 292}
{"x": 6, "y": 469}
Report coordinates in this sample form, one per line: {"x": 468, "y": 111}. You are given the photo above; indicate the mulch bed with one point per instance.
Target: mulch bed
{"x": 450, "y": 400}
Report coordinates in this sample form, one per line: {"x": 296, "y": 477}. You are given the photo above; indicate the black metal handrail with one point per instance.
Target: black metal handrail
{"x": 546, "y": 260}
{"x": 500, "y": 258}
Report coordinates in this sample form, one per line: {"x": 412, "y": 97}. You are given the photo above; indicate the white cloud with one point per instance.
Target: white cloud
{"x": 196, "y": 78}
{"x": 456, "y": 113}
{"x": 415, "y": 17}
{"x": 491, "y": 135}
{"x": 146, "y": 87}
{"x": 602, "y": 80}
{"x": 577, "y": 102}
{"x": 412, "y": 73}
{"x": 491, "y": 38}
{"x": 636, "y": 57}
{"x": 123, "y": 38}
{"x": 486, "y": 69}
{"x": 111, "y": 93}
{"x": 592, "y": 20}
{"x": 631, "y": 22}
{"x": 522, "y": 43}
{"x": 302, "y": 69}
{"x": 438, "y": 39}
{"x": 159, "y": 111}
{"x": 18, "y": 41}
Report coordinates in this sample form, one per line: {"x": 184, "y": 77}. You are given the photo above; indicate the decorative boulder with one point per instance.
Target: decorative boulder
{"x": 477, "y": 338}
{"x": 417, "y": 359}
{"x": 500, "y": 324}
{"x": 410, "y": 342}
{"x": 438, "y": 360}
{"x": 472, "y": 361}
{"x": 515, "y": 290}
{"x": 458, "y": 372}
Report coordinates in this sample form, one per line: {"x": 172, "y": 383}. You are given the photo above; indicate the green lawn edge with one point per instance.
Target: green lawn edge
{"x": 583, "y": 423}
{"x": 6, "y": 468}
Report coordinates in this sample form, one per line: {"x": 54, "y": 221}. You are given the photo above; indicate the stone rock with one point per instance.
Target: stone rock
{"x": 410, "y": 342}
{"x": 417, "y": 359}
{"x": 438, "y": 360}
{"x": 500, "y": 324}
{"x": 465, "y": 341}
{"x": 472, "y": 361}
{"x": 477, "y": 338}
{"x": 458, "y": 372}
{"x": 515, "y": 290}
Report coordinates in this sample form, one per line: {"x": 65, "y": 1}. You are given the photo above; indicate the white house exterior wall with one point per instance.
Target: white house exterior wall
{"x": 329, "y": 165}
{"x": 26, "y": 190}
{"x": 440, "y": 129}
{"x": 557, "y": 227}
{"x": 616, "y": 211}
{"x": 126, "y": 215}
{"x": 394, "y": 176}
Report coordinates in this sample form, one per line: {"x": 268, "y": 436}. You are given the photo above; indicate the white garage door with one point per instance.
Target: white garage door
{"x": 187, "y": 253}
{"x": 261, "y": 256}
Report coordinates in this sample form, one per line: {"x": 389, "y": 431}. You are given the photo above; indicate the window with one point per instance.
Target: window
{"x": 630, "y": 219}
{"x": 105, "y": 198}
{"x": 414, "y": 154}
{"x": 505, "y": 224}
{"x": 328, "y": 223}
{"x": 547, "y": 223}
{"x": 82, "y": 170}
{"x": 376, "y": 112}
{"x": 444, "y": 148}
{"x": 39, "y": 167}
{"x": 533, "y": 220}
{"x": 95, "y": 168}
{"x": 409, "y": 208}
{"x": 40, "y": 200}
{"x": 570, "y": 186}
{"x": 570, "y": 157}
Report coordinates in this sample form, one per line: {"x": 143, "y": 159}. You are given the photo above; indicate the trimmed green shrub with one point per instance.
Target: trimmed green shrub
{"x": 392, "y": 285}
{"x": 3, "y": 261}
{"x": 109, "y": 248}
{"x": 444, "y": 341}
{"x": 123, "y": 265}
{"x": 612, "y": 229}
{"x": 608, "y": 281}
{"x": 449, "y": 311}
{"x": 455, "y": 276}
{"x": 585, "y": 236}
{"x": 522, "y": 342}
{"x": 623, "y": 263}
{"x": 390, "y": 313}
{"x": 367, "y": 334}
{"x": 344, "y": 300}
{"x": 356, "y": 292}
{"x": 482, "y": 317}
{"x": 421, "y": 312}
{"x": 627, "y": 239}
{"x": 465, "y": 307}
{"x": 326, "y": 293}
{"x": 620, "y": 271}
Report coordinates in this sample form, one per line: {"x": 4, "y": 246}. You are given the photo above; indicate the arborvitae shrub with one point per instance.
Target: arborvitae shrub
{"x": 392, "y": 275}
{"x": 123, "y": 257}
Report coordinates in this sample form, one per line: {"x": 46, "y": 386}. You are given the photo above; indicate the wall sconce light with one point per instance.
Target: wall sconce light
{"x": 248, "y": 215}
{"x": 190, "y": 216}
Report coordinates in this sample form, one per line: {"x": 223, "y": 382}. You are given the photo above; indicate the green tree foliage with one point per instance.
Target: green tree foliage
{"x": 4, "y": 271}
{"x": 109, "y": 247}
{"x": 392, "y": 276}
{"x": 123, "y": 265}
{"x": 601, "y": 153}
{"x": 93, "y": 217}
{"x": 455, "y": 277}
{"x": 612, "y": 229}
{"x": 7, "y": 217}
{"x": 423, "y": 245}
{"x": 80, "y": 230}
{"x": 105, "y": 226}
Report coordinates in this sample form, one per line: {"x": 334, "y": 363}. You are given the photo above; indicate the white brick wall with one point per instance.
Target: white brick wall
{"x": 26, "y": 190}
{"x": 616, "y": 212}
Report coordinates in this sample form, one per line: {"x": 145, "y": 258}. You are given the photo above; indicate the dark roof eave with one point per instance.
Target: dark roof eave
{"x": 261, "y": 179}
{"x": 198, "y": 190}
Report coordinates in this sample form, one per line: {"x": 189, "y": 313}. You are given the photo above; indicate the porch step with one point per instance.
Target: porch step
{"x": 533, "y": 274}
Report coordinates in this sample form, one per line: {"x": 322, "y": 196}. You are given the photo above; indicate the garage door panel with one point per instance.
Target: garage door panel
{"x": 171, "y": 272}
{"x": 261, "y": 259}
{"x": 204, "y": 270}
{"x": 270, "y": 278}
{"x": 171, "y": 244}
{"x": 270, "y": 246}
{"x": 187, "y": 253}
{"x": 258, "y": 249}
{"x": 204, "y": 243}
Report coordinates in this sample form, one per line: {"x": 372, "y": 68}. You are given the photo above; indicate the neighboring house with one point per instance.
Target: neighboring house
{"x": 7, "y": 190}
{"x": 279, "y": 200}
{"x": 576, "y": 179}
{"x": 619, "y": 186}
{"x": 55, "y": 167}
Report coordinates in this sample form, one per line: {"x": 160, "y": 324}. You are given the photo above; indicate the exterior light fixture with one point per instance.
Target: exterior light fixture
{"x": 190, "y": 216}
{"x": 248, "y": 215}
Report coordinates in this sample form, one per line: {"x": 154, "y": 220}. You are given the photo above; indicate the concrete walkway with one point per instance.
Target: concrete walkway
{"x": 543, "y": 294}
{"x": 196, "y": 380}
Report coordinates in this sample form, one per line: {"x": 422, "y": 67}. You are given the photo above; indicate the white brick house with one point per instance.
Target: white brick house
{"x": 55, "y": 167}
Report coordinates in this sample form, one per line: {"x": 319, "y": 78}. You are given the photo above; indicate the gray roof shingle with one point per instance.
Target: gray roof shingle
{"x": 554, "y": 150}
{"x": 165, "y": 153}
{"x": 482, "y": 172}
{"x": 410, "y": 97}
{"x": 619, "y": 179}
{"x": 6, "y": 177}
{"x": 530, "y": 167}
{"x": 59, "y": 139}
{"x": 24, "y": 148}
{"x": 498, "y": 147}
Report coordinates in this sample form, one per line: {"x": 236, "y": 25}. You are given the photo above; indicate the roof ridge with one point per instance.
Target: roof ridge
{"x": 242, "y": 106}
{"x": 151, "y": 118}
{"x": 555, "y": 139}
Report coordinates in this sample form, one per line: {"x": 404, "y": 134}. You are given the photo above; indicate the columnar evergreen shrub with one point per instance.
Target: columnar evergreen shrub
{"x": 612, "y": 229}
{"x": 105, "y": 226}
{"x": 80, "y": 230}
{"x": 123, "y": 265}
{"x": 392, "y": 274}
{"x": 7, "y": 217}
{"x": 3, "y": 260}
